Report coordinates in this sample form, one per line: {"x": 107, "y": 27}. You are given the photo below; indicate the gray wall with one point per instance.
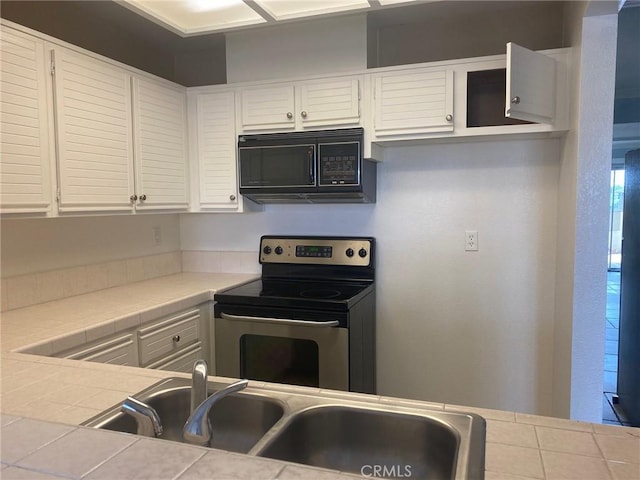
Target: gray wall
{"x": 461, "y": 29}
{"x": 106, "y": 28}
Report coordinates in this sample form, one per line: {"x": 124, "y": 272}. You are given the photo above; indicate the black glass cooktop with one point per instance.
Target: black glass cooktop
{"x": 301, "y": 293}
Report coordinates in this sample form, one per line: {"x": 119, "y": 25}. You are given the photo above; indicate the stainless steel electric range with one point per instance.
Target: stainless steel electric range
{"x": 310, "y": 318}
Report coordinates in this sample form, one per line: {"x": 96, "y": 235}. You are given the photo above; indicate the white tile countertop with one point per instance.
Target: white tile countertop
{"x": 44, "y": 399}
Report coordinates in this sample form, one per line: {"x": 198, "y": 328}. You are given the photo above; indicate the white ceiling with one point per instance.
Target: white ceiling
{"x": 197, "y": 17}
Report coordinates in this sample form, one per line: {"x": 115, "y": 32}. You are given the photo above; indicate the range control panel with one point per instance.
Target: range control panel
{"x": 316, "y": 250}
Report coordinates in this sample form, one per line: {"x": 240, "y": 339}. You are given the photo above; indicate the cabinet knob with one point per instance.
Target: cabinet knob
{"x": 448, "y": 117}
{"x": 289, "y": 115}
{"x": 176, "y": 338}
{"x": 143, "y": 198}
{"x": 232, "y": 197}
{"x": 515, "y": 100}
{"x": 303, "y": 114}
{"x": 133, "y": 198}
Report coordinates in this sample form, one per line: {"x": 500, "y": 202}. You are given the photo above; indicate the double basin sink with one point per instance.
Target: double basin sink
{"x": 369, "y": 439}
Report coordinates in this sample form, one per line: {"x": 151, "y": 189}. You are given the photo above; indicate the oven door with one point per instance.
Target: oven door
{"x": 282, "y": 350}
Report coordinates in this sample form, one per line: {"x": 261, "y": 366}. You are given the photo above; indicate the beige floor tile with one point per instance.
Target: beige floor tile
{"x": 622, "y": 449}
{"x": 512, "y": 460}
{"x": 564, "y": 466}
{"x": 77, "y": 453}
{"x": 624, "y": 471}
{"x": 223, "y": 466}
{"x": 148, "y": 459}
{"x": 25, "y": 436}
{"x": 568, "y": 441}
{"x": 503, "y": 476}
{"x": 511, "y": 434}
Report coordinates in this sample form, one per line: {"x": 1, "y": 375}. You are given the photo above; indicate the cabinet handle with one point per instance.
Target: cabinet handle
{"x": 232, "y": 197}
{"x": 133, "y": 198}
{"x": 143, "y": 198}
{"x": 176, "y": 338}
{"x": 448, "y": 117}
{"x": 289, "y": 115}
{"x": 515, "y": 100}
{"x": 303, "y": 114}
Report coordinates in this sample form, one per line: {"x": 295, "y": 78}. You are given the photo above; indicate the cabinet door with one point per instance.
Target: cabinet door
{"x": 216, "y": 137}
{"x": 159, "y": 113}
{"x": 267, "y": 108}
{"x": 93, "y": 127}
{"x": 182, "y": 361}
{"x": 329, "y": 102}
{"x": 531, "y": 85}
{"x": 413, "y": 102}
{"x": 168, "y": 336}
{"x": 24, "y": 164}
{"x": 118, "y": 351}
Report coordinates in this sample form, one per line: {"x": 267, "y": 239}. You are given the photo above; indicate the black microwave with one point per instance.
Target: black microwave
{"x": 306, "y": 167}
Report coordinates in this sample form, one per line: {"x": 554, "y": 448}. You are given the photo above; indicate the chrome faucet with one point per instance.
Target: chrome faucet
{"x": 146, "y": 417}
{"x": 198, "y": 384}
{"x": 198, "y": 428}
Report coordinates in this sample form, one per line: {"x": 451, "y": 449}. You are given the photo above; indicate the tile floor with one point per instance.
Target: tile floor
{"x": 612, "y": 414}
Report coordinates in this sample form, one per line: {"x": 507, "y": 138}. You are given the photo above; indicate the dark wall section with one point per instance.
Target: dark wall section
{"x": 461, "y": 29}
{"x": 106, "y": 28}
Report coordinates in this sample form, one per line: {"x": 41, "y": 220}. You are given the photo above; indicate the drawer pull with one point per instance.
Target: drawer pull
{"x": 176, "y": 338}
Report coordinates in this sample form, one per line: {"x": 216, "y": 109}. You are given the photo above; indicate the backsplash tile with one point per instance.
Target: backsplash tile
{"x": 220, "y": 262}
{"x": 26, "y": 290}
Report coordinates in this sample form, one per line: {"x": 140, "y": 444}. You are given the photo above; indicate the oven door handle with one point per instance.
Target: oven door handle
{"x": 281, "y": 321}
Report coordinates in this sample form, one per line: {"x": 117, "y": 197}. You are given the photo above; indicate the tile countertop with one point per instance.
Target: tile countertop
{"x": 45, "y": 398}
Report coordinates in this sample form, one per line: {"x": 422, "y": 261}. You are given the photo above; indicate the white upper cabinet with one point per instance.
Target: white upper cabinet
{"x": 24, "y": 129}
{"x": 531, "y": 85}
{"x": 160, "y": 122}
{"x": 216, "y": 150}
{"x": 329, "y": 102}
{"x": 325, "y": 103}
{"x": 268, "y": 107}
{"x": 94, "y": 133}
{"x": 414, "y": 101}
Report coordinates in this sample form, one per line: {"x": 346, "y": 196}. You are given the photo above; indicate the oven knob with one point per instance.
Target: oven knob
{"x": 278, "y": 250}
{"x": 266, "y": 250}
{"x": 362, "y": 252}
{"x": 349, "y": 252}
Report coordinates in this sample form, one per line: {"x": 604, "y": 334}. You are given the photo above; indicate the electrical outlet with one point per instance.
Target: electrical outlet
{"x": 471, "y": 240}
{"x": 157, "y": 236}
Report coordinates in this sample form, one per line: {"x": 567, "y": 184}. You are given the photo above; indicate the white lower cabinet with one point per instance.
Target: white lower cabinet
{"x": 173, "y": 342}
{"x": 120, "y": 350}
{"x": 182, "y": 361}
{"x": 165, "y": 341}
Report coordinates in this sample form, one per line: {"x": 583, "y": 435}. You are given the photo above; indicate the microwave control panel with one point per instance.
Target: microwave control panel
{"x": 339, "y": 164}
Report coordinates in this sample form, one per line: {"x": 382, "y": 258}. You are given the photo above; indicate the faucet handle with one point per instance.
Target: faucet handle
{"x": 147, "y": 419}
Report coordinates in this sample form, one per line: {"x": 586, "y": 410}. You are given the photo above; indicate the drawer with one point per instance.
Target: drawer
{"x": 182, "y": 361}
{"x": 119, "y": 351}
{"x": 168, "y": 336}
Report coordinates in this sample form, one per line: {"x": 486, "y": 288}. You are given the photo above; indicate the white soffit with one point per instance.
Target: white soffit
{"x": 193, "y": 17}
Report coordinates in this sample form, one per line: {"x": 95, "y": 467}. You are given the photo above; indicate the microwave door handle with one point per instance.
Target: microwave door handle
{"x": 311, "y": 158}
{"x": 280, "y": 321}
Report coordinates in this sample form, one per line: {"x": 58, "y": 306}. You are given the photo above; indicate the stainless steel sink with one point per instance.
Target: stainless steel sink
{"x": 382, "y": 443}
{"x": 355, "y": 436}
{"x": 239, "y": 420}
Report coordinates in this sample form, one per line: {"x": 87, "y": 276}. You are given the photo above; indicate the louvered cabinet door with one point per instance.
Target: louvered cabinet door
{"x": 93, "y": 127}
{"x": 329, "y": 102}
{"x": 24, "y": 161}
{"x": 268, "y": 108}
{"x": 416, "y": 102}
{"x": 159, "y": 113}
{"x": 216, "y": 149}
